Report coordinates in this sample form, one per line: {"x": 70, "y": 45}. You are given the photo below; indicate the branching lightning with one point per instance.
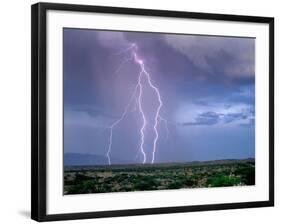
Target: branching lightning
{"x": 137, "y": 96}
{"x": 117, "y": 122}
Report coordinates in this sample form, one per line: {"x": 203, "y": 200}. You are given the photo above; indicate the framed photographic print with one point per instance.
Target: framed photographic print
{"x": 139, "y": 111}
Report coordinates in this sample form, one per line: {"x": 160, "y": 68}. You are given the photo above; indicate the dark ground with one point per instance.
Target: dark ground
{"x": 121, "y": 178}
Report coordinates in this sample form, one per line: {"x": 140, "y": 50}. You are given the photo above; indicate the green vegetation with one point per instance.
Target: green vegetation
{"x": 120, "y": 178}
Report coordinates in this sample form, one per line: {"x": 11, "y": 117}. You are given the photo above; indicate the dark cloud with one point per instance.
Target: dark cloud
{"x": 213, "y": 118}
{"x": 226, "y": 57}
{"x": 91, "y": 111}
{"x": 234, "y": 117}
{"x": 207, "y": 118}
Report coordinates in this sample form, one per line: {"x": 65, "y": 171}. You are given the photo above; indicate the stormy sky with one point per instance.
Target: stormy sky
{"x": 207, "y": 85}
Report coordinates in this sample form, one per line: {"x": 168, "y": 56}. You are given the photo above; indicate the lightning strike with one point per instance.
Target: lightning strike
{"x": 156, "y": 118}
{"x": 125, "y": 112}
{"x": 143, "y": 74}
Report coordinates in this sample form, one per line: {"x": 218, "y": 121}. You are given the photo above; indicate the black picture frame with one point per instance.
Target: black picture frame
{"x": 39, "y": 122}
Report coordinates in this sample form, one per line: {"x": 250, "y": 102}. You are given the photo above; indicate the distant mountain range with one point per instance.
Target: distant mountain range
{"x": 77, "y": 159}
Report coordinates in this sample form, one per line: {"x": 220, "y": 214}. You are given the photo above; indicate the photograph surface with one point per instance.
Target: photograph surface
{"x": 157, "y": 111}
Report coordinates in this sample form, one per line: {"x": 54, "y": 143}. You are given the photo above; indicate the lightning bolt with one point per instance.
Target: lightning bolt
{"x": 125, "y": 112}
{"x": 143, "y": 74}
